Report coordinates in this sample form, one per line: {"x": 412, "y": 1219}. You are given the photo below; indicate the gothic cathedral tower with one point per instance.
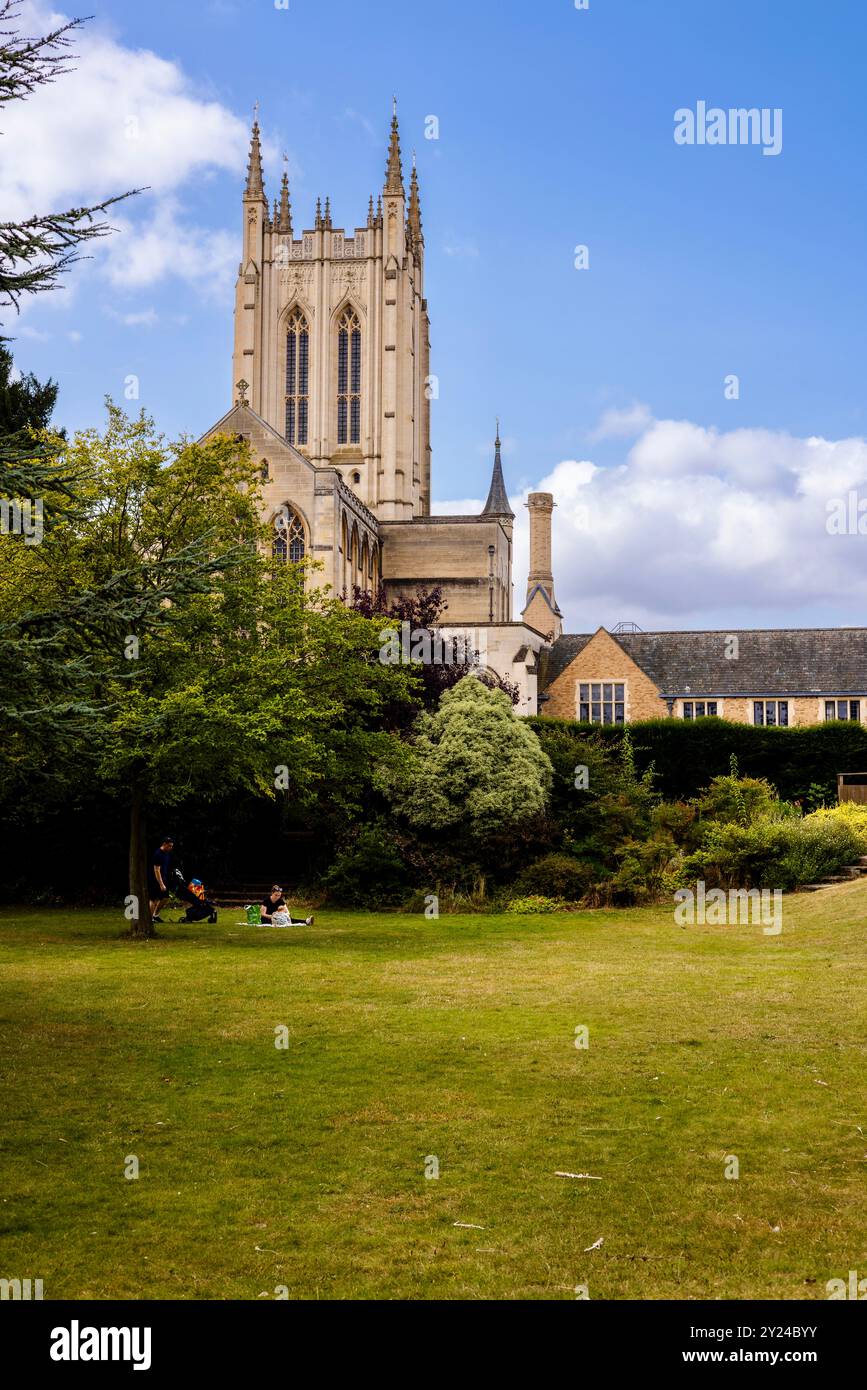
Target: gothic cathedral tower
{"x": 332, "y": 337}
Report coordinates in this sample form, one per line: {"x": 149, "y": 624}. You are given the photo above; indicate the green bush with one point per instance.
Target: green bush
{"x": 368, "y": 871}
{"x": 775, "y": 853}
{"x": 818, "y": 850}
{"x": 475, "y": 768}
{"x": 740, "y": 856}
{"x": 740, "y": 800}
{"x": 533, "y": 903}
{"x": 647, "y": 870}
{"x": 557, "y": 876}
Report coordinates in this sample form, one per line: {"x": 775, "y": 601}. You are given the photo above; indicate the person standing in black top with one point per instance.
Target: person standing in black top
{"x": 159, "y": 877}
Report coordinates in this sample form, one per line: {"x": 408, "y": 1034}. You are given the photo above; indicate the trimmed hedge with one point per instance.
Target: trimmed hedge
{"x": 687, "y": 753}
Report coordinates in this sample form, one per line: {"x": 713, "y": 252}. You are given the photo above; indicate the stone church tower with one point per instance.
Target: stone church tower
{"x": 332, "y": 336}
{"x": 331, "y": 375}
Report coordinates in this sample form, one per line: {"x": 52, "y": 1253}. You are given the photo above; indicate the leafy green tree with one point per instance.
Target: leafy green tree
{"x": 476, "y": 766}
{"x": 219, "y": 673}
{"x": 77, "y": 610}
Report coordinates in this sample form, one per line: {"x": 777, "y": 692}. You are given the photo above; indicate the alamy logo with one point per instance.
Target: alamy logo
{"x": 76, "y": 1343}
{"x": 739, "y": 906}
{"x": 430, "y": 648}
{"x": 847, "y": 516}
{"x": 739, "y": 125}
{"x": 23, "y": 518}
{"x": 20, "y": 1289}
{"x": 857, "y": 1288}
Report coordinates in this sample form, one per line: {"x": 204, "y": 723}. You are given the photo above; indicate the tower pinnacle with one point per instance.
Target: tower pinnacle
{"x": 414, "y": 213}
{"x": 393, "y": 170}
{"x": 255, "y": 187}
{"x": 284, "y": 223}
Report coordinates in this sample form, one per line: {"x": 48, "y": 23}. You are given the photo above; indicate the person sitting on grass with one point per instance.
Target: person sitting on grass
{"x": 275, "y": 913}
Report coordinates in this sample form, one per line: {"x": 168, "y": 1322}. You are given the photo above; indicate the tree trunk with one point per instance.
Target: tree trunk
{"x": 140, "y": 924}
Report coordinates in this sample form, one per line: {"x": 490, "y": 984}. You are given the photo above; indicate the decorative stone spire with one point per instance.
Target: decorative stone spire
{"x": 318, "y": 219}
{"x": 327, "y": 221}
{"x": 393, "y": 170}
{"x": 284, "y": 222}
{"x": 498, "y": 499}
{"x": 370, "y": 213}
{"x": 379, "y": 212}
{"x": 255, "y": 183}
{"x": 413, "y": 219}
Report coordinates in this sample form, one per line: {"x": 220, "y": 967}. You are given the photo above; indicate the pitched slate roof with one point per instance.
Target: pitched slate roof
{"x": 771, "y": 661}
{"x": 564, "y": 650}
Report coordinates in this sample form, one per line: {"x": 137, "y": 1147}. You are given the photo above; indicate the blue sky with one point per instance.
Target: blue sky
{"x": 555, "y": 129}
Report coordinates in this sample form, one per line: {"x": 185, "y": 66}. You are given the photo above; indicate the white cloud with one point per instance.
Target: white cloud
{"x": 701, "y": 527}
{"x": 138, "y": 318}
{"x": 121, "y": 118}
{"x": 700, "y": 522}
{"x": 626, "y": 423}
{"x": 164, "y": 245}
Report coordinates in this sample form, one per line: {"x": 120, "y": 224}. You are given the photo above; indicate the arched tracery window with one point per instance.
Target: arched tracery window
{"x": 348, "y": 378}
{"x": 288, "y": 541}
{"x": 297, "y": 377}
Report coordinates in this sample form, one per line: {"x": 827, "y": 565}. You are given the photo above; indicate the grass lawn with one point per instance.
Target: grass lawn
{"x": 305, "y": 1167}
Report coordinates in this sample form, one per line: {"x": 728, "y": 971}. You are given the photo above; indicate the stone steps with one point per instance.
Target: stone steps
{"x": 846, "y": 875}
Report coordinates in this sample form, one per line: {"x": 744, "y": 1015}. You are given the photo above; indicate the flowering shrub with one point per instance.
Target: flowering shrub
{"x": 535, "y": 903}
{"x": 777, "y": 853}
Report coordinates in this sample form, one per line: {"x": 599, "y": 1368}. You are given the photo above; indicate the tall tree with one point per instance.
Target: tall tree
{"x": 218, "y": 673}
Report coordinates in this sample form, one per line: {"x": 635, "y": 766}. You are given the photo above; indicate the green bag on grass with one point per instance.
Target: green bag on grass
{"x": 254, "y": 915}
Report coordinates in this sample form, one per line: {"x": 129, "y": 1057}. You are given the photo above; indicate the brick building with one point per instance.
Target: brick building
{"x": 784, "y": 676}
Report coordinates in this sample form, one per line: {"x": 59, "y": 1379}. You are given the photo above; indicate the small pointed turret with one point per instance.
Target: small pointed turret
{"x": 498, "y": 499}
{"x": 327, "y": 221}
{"x": 255, "y": 183}
{"x": 317, "y": 223}
{"x": 413, "y": 219}
{"x": 370, "y": 212}
{"x": 284, "y": 222}
{"x": 379, "y": 212}
{"x": 393, "y": 170}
